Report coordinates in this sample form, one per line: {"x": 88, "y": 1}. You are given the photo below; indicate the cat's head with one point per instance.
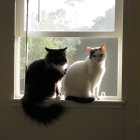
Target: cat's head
{"x": 56, "y": 56}
{"x": 98, "y": 54}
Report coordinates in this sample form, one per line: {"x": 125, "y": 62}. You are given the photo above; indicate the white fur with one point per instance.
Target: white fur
{"x": 60, "y": 68}
{"x": 83, "y": 78}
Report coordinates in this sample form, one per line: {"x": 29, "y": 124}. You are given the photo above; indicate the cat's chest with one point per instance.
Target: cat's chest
{"x": 59, "y": 68}
{"x": 94, "y": 71}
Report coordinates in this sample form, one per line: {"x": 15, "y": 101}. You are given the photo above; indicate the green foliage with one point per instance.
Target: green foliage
{"x": 56, "y": 21}
{"x": 36, "y": 48}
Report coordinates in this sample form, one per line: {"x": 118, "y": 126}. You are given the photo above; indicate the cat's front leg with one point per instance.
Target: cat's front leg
{"x": 96, "y": 91}
{"x": 58, "y": 90}
{"x": 91, "y": 92}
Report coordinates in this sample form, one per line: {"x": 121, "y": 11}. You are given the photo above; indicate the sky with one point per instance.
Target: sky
{"x": 82, "y": 14}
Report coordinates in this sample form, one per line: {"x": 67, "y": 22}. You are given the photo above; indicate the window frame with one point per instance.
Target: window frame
{"x": 19, "y": 32}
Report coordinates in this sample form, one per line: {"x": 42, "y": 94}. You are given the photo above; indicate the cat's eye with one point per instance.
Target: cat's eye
{"x": 94, "y": 56}
{"x": 101, "y": 55}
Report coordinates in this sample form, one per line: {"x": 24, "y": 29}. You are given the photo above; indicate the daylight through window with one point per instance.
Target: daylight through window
{"x": 75, "y": 24}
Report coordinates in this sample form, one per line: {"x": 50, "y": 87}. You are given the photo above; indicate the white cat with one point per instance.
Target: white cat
{"x": 83, "y": 78}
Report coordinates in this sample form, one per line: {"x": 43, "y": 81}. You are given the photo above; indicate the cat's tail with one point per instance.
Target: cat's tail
{"x": 45, "y": 114}
{"x": 80, "y": 99}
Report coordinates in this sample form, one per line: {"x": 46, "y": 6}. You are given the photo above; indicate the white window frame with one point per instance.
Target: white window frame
{"x": 19, "y": 32}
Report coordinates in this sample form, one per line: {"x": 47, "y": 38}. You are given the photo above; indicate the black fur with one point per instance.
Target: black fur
{"x": 92, "y": 53}
{"x": 80, "y": 99}
{"x": 40, "y": 84}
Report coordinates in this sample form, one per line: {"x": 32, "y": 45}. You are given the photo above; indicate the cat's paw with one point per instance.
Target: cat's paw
{"x": 58, "y": 97}
{"x": 97, "y": 98}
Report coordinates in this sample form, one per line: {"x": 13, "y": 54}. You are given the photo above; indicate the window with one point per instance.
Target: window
{"x": 75, "y": 24}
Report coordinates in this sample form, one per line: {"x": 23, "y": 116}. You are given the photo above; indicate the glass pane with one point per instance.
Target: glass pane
{"x": 72, "y": 15}
{"x": 76, "y": 51}
{"x": 22, "y": 64}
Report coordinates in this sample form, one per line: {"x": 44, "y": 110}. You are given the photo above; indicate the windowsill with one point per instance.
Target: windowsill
{"x": 96, "y": 104}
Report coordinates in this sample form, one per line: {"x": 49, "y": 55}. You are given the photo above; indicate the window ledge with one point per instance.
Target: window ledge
{"x": 96, "y": 104}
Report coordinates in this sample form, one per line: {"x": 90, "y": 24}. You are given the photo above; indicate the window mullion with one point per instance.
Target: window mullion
{"x": 73, "y": 34}
{"x": 119, "y": 31}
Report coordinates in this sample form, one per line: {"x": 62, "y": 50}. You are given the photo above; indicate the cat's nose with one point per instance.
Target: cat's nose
{"x": 99, "y": 59}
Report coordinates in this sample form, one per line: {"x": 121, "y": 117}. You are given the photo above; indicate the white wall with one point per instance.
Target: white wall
{"x": 78, "y": 123}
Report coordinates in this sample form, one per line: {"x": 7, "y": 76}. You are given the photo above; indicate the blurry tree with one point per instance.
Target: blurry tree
{"x": 72, "y": 2}
{"x": 56, "y": 20}
{"x": 36, "y": 48}
{"x": 105, "y": 23}
{"x": 53, "y": 21}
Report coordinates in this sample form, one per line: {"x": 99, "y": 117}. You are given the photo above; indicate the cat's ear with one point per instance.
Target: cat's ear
{"x": 47, "y": 49}
{"x": 64, "y": 49}
{"x": 90, "y": 50}
{"x": 103, "y": 47}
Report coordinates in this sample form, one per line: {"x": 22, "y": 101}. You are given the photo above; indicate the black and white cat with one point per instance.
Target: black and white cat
{"x": 42, "y": 77}
{"x": 83, "y": 78}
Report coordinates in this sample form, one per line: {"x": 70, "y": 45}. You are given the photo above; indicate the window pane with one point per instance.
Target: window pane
{"x": 76, "y": 51}
{"x": 72, "y": 15}
{"x": 22, "y": 64}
